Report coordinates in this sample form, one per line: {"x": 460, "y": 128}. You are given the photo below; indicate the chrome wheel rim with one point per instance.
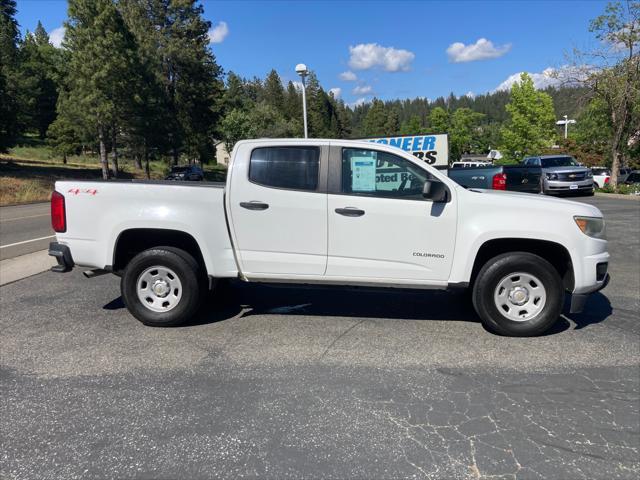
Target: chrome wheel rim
{"x": 159, "y": 289}
{"x": 520, "y": 296}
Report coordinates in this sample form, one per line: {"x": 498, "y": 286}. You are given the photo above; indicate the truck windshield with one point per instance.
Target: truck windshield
{"x": 559, "y": 162}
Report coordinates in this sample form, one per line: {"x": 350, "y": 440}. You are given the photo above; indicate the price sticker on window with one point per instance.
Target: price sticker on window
{"x": 363, "y": 174}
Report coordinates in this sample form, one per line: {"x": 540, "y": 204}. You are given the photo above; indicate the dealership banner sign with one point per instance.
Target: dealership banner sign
{"x": 432, "y": 149}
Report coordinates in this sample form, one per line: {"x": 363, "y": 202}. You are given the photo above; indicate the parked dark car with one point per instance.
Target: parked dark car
{"x": 633, "y": 178}
{"x": 189, "y": 172}
{"x": 517, "y": 178}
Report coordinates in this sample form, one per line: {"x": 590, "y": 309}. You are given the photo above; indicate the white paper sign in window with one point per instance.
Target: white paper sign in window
{"x": 363, "y": 174}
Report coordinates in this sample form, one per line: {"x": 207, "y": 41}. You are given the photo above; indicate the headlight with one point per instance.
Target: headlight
{"x": 591, "y": 226}
{"x": 552, "y": 176}
{"x": 589, "y": 174}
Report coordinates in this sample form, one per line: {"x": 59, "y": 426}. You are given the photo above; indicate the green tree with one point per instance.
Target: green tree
{"x": 9, "y": 38}
{"x": 439, "y": 121}
{"x": 273, "y": 91}
{"x": 412, "y": 127}
{"x": 531, "y": 124}
{"x": 174, "y": 43}
{"x": 292, "y": 102}
{"x": 63, "y": 138}
{"x": 236, "y": 125}
{"x": 392, "y": 125}
{"x": 39, "y": 75}
{"x": 615, "y": 81}
{"x": 375, "y": 121}
{"x": 103, "y": 59}
{"x": 464, "y": 131}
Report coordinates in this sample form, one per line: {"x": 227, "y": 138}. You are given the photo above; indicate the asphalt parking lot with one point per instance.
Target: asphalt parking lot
{"x": 278, "y": 382}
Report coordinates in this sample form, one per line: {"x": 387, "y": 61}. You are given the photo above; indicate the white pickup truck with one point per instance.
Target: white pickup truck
{"x": 332, "y": 212}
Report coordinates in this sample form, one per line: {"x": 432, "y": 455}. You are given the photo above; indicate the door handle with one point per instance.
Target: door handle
{"x": 254, "y": 205}
{"x": 350, "y": 212}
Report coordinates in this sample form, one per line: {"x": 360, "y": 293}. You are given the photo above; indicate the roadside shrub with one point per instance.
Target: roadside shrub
{"x": 622, "y": 189}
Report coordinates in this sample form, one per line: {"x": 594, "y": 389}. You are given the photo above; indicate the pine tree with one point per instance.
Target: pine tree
{"x": 273, "y": 93}
{"x": 9, "y": 37}
{"x": 392, "y": 125}
{"x": 376, "y": 119}
{"x": 38, "y": 74}
{"x": 173, "y": 37}
{"x": 104, "y": 62}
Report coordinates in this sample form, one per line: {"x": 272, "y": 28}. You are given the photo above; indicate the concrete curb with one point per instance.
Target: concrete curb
{"x": 17, "y": 268}
{"x": 619, "y": 195}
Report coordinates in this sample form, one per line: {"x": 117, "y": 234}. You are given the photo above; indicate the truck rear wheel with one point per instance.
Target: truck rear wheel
{"x": 162, "y": 286}
{"x": 518, "y": 294}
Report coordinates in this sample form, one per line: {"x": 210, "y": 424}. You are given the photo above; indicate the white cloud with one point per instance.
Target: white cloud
{"x": 550, "y": 77}
{"x": 218, "y": 33}
{"x": 470, "y": 94}
{"x": 298, "y": 85}
{"x": 363, "y": 90}
{"x": 348, "y": 76}
{"x": 483, "y": 49}
{"x": 370, "y": 55}
{"x": 56, "y": 36}
{"x": 358, "y": 102}
{"x": 336, "y": 92}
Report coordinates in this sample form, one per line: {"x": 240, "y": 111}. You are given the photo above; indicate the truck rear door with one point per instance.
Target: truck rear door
{"x": 278, "y": 207}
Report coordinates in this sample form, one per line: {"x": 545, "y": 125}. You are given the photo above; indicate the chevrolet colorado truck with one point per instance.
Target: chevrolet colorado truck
{"x": 332, "y": 212}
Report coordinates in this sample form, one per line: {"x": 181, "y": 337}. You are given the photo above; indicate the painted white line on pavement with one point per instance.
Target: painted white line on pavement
{"x": 22, "y": 218}
{"x": 26, "y": 241}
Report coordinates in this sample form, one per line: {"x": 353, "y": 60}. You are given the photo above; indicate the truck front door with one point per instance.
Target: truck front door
{"x": 278, "y": 204}
{"x": 380, "y": 226}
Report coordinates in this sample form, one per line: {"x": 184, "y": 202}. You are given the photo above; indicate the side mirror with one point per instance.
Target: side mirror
{"x": 436, "y": 191}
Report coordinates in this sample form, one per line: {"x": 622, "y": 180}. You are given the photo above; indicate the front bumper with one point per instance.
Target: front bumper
{"x": 63, "y": 256}
{"x": 564, "y": 186}
{"x": 578, "y": 300}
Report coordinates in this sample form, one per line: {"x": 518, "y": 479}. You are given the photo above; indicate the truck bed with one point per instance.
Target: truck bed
{"x": 520, "y": 178}
{"x": 98, "y": 211}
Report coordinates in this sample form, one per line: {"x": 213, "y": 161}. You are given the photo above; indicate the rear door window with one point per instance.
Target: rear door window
{"x": 294, "y": 168}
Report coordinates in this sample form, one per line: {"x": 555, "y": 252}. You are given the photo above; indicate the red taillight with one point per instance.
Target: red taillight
{"x": 499, "y": 181}
{"x": 606, "y": 179}
{"x": 58, "y": 214}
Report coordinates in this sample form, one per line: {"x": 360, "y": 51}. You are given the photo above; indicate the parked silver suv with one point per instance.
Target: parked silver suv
{"x": 562, "y": 174}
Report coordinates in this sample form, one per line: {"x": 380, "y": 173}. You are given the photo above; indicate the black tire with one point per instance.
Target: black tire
{"x": 189, "y": 274}
{"x": 502, "y": 266}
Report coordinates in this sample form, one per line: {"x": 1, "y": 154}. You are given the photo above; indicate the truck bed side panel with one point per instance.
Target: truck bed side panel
{"x": 98, "y": 213}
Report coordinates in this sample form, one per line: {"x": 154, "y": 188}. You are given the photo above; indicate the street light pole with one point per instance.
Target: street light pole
{"x": 566, "y": 123}
{"x": 301, "y": 69}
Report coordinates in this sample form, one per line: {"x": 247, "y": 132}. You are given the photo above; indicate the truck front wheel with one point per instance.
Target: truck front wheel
{"x": 161, "y": 286}
{"x": 518, "y": 294}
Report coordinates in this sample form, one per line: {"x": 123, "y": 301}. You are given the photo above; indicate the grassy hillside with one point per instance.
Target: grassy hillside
{"x": 28, "y": 171}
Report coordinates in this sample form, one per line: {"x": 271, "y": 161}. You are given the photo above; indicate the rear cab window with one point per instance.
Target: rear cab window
{"x": 293, "y": 168}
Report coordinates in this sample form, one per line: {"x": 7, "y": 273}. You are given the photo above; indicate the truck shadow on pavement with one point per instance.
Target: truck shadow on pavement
{"x": 237, "y": 300}
{"x": 401, "y": 304}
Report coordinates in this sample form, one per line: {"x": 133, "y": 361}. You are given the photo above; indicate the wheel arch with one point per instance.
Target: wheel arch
{"x": 555, "y": 253}
{"x": 132, "y": 241}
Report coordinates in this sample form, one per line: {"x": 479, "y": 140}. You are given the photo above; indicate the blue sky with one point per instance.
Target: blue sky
{"x": 391, "y": 49}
